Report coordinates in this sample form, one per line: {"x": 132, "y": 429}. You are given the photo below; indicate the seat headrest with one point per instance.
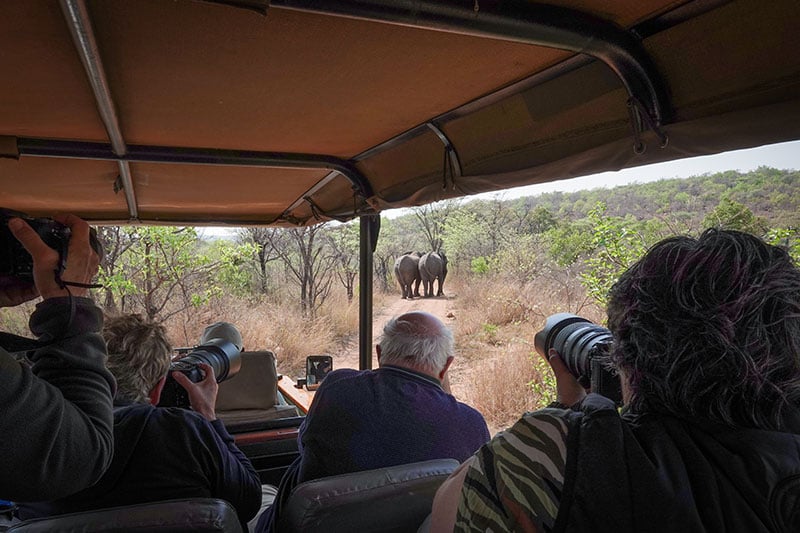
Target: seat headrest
{"x": 393, "y": 499}
{"x": 255, "y": 386}
{"x": 184, "y": 515}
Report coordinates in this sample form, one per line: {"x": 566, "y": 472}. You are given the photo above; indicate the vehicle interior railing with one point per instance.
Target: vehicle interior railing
{"x": 290, "y": 112}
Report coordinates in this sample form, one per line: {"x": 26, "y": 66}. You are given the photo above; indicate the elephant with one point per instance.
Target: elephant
{"x": 406, "y": 269}
{"x": 432, "y": 266}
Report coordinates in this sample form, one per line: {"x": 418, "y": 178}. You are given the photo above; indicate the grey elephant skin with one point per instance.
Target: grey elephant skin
{"x": 433, "y": 266}
{"x": 406, "y": 269}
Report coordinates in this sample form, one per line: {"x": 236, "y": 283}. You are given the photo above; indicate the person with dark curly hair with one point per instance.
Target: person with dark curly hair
{"x": 707, "y": 345}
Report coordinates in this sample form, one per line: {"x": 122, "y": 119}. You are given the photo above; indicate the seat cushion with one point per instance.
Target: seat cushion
{"x": 255, "y": 386}
{"x": 184, "y": 515}
{"x": 393, "y": 499}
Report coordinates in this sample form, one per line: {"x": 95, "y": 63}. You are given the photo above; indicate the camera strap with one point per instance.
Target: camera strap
{"x": 15, "y": 343}
{"x": 64, "y": 284}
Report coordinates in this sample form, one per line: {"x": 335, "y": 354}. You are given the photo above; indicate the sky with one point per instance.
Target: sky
{"x": 782, "y": 156}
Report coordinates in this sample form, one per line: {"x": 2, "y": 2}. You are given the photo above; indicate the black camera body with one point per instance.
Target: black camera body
{"x": 585, "y": 349}
{"x": 222, "y": 355}
{"x": 17, "y": 263}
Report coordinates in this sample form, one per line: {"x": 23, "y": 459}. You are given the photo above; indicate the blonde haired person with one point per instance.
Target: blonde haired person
{"x": 162, "y": 453}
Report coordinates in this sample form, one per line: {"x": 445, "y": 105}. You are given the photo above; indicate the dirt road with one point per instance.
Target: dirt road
{"x": 437, "y": 306}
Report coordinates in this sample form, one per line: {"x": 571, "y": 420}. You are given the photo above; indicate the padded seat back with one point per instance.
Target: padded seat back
{"x": 252, "y": 394}
{"x": 393, "y": 499}
{"x": 194, "y": 514}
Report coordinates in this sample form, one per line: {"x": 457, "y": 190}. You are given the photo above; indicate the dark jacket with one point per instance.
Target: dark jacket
{"x": 368, "y": 419}
{"x": 164, "y": 453}
{"x": 362, "y": 420}
{"x": 56, "y": 417}
{"x": 659, "y": 473}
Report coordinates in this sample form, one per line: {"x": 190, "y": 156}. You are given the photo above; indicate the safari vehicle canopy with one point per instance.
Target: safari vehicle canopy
{"x": 296, "y": 112}
{"x": 292, "y": 112}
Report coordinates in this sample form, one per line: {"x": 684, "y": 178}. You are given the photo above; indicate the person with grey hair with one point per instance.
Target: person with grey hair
{"x": 397, "y": 414}
{"x": 163, "y": 453}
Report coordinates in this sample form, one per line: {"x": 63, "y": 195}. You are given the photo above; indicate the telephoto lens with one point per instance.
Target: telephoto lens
{"x": 221, "y": 353}
{"x": 584, "y": 347}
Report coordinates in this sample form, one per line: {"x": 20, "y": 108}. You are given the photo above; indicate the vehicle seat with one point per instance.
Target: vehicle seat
{"x": 193, "y": 514}
{"x": 252, "y": 394}
{"x": 393, "y": 499}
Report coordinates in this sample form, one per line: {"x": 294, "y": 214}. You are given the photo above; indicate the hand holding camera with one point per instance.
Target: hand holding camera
{"x": 216, "y": 360}
{"x": 579, "y": 353}
{"x": 202, "y": 394}
{"x": 40, "y": 253}
{"x": 568, "y": 391}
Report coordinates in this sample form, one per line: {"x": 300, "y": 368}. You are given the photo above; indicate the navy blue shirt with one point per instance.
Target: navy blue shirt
{"x": 362, "y": 420}
{"x": 162, "y": 453}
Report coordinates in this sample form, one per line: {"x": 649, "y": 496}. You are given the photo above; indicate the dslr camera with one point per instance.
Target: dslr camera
{"x": 585, "y": 348}
{"x": 220, "y": 354}
{"x": 16, "y": 262}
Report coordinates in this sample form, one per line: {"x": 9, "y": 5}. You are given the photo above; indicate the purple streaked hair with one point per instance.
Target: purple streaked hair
{"x": 709, "y": 328}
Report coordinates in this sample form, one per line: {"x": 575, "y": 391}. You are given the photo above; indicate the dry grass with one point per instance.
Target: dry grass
{"x": 277, "y": 324}
{"x": 499, "y": 385}
{"x": 498, "y": 371}
{"x": 267, "y": 325}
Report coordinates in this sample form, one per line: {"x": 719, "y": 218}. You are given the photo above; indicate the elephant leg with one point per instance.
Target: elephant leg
{"x": 416, "y": 288}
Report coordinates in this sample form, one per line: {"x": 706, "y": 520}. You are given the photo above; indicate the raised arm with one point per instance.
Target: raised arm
{"x": 57, "y": 415}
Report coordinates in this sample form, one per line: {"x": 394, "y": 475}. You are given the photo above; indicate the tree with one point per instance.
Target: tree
{"x": 264, "y": 253}
{"x": 788, "y": 239}
{"x": 158, "y": 271}
{"x": 464, "y": 238}
{"x": 736, "y": 216}
{"x": 304, "y": 256}
{"x": 432, "y": 219}
{"x": 344, "y": 241}
{"x": 115, "y": 242}
{"x": 616, "y": 246}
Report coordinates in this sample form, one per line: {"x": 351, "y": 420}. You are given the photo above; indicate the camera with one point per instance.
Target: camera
{"x": 16, "y": 262}
{"x": 585, "y": 348}
{"x": 220, "y": 354}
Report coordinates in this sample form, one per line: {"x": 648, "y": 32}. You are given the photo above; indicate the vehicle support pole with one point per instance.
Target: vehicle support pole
{"x": 369, "y": 229}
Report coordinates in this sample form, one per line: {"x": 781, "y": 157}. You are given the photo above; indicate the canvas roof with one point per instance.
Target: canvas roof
{"x": 242, "y": 112}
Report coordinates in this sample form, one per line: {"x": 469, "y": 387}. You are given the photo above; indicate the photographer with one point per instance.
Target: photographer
{"x": 706, "y": 339}
{"x": 56, "y": 422}
{"x": 161, "y": 453}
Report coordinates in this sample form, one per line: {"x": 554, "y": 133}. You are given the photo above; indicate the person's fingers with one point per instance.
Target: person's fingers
{"x": 45, "y": 259}
{"x": 568, "y": 390}
{"x": 208, "y": 372}
{"x": 556, "y": 363}
{"x": 31, "y": 241}
{"x": 182, "y": 380}
{"x": 82, "y": 260}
